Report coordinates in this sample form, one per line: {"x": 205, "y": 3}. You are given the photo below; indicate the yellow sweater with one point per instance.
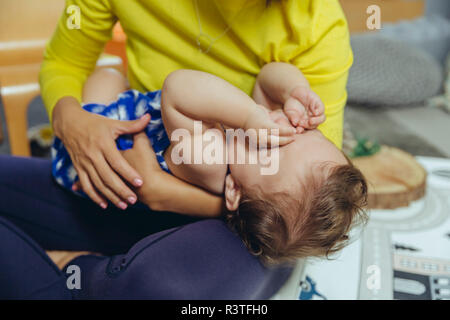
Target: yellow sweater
{"x": 162, "y": 37}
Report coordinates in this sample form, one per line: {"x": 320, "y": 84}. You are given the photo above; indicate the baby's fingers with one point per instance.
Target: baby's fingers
{"x": 318, "y": 107}
{"x": 294, "y": 117}
{"x": 276, "y": 141}
{"x": 300, "y": 130}
{"x": 284, "y": 130}
{"x": 309, "y": 99}
{"x": 274, "y": 128}
{"x": 315, "y": 121}
{"x": 295, "y": 111}
{"x": 271, "y": 138}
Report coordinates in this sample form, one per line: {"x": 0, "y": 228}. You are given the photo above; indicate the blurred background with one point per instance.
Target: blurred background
{"x": 397, "y": 72}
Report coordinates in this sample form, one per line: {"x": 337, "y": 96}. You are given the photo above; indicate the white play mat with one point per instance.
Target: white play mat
{"x": 400, "y": 254}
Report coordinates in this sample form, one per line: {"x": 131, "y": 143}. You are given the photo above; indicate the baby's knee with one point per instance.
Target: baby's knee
{"x": 177, "y": 79}
{"x": 101, "y": 79}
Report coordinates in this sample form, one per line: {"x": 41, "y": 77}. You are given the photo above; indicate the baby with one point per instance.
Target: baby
{"x": 305, "y": 208}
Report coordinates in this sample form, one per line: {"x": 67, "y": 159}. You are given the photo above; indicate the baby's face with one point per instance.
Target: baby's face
{"x": 298, "y": 159}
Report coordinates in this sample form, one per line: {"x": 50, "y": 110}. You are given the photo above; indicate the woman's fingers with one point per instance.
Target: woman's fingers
{"x": 114, "y": 157}
{"x": 134, "y": 126}
{"x": 89, "y": 189}
{"x": 111, "y": 185}
{"x": 99, "y": 181}
{"x": 121, "y": 166}
{"x": 101, "y": 187}
{"x": 76, "y": 186}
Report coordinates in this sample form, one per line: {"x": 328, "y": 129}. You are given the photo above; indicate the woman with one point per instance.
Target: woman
{"x": 232, "y": 39}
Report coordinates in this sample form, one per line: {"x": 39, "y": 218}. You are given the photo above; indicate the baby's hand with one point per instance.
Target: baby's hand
{"x": 304, "y": 109}
{"x": 259, "y": 118}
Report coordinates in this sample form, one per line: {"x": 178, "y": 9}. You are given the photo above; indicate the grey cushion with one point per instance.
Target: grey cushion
{"x": 391, "y": 72}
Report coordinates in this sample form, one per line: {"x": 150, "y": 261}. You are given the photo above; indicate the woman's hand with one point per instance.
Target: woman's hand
{"x": 164, "y": 192}
{"x": 90, "y": 141}
{"x": 143, "y": 159}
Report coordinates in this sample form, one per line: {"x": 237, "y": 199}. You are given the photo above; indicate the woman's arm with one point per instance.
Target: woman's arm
{"x": 164, "y": 192}
{"x": 168, "y": 193}
{"x": 70, "y": 57}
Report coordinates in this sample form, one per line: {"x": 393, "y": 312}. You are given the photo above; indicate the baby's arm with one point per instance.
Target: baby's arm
{"x": 276, "y": 81}
{"x": 190, "y": 95}
{"x": 283, "y": 86}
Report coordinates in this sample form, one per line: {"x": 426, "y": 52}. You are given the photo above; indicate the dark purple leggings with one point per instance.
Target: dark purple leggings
{"x": 146, "y": 254}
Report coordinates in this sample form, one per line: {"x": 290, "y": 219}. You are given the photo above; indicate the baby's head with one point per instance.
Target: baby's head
{"x": 306, "y": 209}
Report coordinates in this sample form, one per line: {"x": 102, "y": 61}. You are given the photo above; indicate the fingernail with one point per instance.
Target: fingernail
{"x": 132, "y": 200}
{"x": 103, "y": 205}
{"x": 122, "y": 205}
{"x": 138, "y": 182}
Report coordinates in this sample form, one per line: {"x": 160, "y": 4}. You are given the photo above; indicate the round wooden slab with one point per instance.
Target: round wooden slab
{"x": 394, "y": 178}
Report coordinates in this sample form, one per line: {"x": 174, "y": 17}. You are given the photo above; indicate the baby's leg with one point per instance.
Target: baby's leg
{"x": 103, "y": 86}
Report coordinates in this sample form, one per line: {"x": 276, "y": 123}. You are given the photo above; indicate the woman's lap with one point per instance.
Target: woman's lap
{"x": 58, "y": 220}
{"x": 197, "y": 261}
{"x": 202, "y": 260}
{"x": 26, "y": 271}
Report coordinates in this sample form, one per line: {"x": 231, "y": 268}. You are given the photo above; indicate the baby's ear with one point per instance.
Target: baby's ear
{"x": 232, "y": 193}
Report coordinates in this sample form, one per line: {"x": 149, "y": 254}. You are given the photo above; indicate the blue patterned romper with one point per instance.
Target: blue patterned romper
{"x": 131, "y": 105}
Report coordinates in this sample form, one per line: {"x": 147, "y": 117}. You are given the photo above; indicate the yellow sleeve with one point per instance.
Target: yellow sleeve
{"x": 71, "y": 54}
{"x": 325, "y": 58}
